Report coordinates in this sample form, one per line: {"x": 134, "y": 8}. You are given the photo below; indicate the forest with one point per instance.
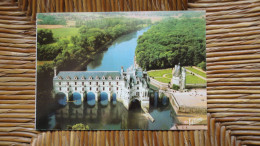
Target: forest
{"x": 173, "y": 41}
{"x": 92, "y": 37}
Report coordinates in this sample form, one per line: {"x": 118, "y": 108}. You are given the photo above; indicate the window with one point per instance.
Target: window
{"x": 68, "y": 89}
{"x": 103, "y": 83}
{"x": 89, "y": 88}
{"x": 68, "y": 83}
{"x": 137, "y": 82}
{"x": 103, "y": 88}
{"x": 137, "y": 88}
{"x": 97, "y": 89}
{"x": 96, "y": 83}
{"x": 76, "y": 88}
{"x": 59, "y": 83}
{"x": 116, "y": 83}
{"x": 83, "y": 89}
{"x": 89, "y": 83}
{"x": 109, "y": 83}
{"x": 60, "y": 88}
{"x": 137, "y": 93}
{"x": 116, "y": 88}
{"x": 109, "y": 89}
{"x": 75, "y": 83}
{"x": 83, "y": 83}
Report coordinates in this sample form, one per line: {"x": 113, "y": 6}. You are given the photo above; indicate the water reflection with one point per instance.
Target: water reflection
{"x": 114, "y": 116}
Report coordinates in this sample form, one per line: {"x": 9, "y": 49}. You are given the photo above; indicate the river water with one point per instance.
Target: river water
{"x": 113, "y": 115}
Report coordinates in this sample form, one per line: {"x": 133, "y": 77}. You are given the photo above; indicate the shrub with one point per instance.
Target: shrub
{"x": 202, "y": 65}
{"x": 175, "y": 87}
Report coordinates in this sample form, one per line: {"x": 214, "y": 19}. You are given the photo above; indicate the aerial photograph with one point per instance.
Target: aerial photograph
{"x": 121, "y": 71}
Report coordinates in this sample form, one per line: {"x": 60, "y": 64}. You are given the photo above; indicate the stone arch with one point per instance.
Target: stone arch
{"x": 76, "y": 98}
{"x": 104, "y": 98}
{"x": 91, "y": 98}
{"x": 135, "y": 103}
{"x": 61, "y": 98}
{"x": 114, "y": 98}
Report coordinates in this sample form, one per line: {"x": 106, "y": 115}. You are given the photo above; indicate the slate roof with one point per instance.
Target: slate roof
{"x": 87, "y": 74}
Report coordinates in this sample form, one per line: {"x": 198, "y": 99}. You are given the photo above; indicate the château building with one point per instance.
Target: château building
{"x": 179, "y": 76}
{"x": 126, "y": 86}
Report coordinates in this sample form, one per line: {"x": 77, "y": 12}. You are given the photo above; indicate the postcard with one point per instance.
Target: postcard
{"x": 121, "y": 71}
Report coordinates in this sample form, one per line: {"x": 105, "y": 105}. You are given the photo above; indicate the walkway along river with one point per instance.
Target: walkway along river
{"x": 112, "y": 115}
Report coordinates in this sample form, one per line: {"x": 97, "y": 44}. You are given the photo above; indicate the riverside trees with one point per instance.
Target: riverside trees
{"x": 172, "y": 41}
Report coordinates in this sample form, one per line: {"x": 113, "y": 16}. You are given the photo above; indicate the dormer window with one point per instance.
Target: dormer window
{"x": 110, "y": 78}
{"x": 75, "y": 78}
{"x": 97, "y": 78}
{"x": 117, "y": 77}
{"x": 82, "y": 78}
{"x": 90, "y": 78}
{"x": 60, "y": 78}
{"x": 68, "y": 78}
{"x": 103, "y": 78}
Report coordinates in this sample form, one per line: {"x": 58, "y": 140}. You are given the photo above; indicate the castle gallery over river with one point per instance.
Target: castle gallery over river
{"x": 126, "y": 86}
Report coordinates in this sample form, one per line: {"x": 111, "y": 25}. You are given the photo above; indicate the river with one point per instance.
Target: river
{"x": 113, "y": 115}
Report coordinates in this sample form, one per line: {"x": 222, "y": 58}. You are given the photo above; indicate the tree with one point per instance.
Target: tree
{"x": 202, "y": 65}
{"x": 44, "y": 36}
{"x": 80, "y": 126}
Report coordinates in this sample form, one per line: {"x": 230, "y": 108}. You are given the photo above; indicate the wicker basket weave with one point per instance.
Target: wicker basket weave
{"x": 233, "y": 72}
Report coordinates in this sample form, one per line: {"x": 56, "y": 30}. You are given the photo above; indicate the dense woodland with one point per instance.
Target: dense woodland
{"x": 93, "y": 36}
{"x": 173, "y": 41}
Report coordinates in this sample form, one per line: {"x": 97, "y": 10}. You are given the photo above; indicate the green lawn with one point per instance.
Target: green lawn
{"x": 64, "y": 33}
{"x": 192, "y": 79}
{"x": 163, "y": 80}
{"x": 159, "y": 73}
{"x": 197, "y": 71}
{"x": 168, "y": 76}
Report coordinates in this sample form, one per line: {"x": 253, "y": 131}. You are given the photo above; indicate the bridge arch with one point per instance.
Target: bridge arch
{"x": 114, "y": 98}
{"x": 76, "y": 98}
{"x": 135, "y": 104}
{"x": 91, "y": 98}
{"x": 61, "y": 98}
{"x": 104, "y": 98}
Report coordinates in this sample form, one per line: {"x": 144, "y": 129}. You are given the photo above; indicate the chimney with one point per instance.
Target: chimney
{"x": 55, "y": 71}
{"x": 122, "y": 70}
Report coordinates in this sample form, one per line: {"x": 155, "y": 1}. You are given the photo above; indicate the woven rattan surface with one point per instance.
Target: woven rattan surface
{"x": 233, "y": 45}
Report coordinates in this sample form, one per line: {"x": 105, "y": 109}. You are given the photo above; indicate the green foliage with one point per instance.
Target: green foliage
{"x": 172, "y": 41}
{"x": 44, "y": 36}
{"x": 175, "y": 87}
{"x": 202, "y": 65}
{"x": 197, "y": 71}
{"x": 93, "y": 38}
{"x": 49, "y": 52}
{"x": 162, "y": 95}
{"x": 44, "y": 77}
{"x": 80, "y": 126}
{"x": 46, "y": 19}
